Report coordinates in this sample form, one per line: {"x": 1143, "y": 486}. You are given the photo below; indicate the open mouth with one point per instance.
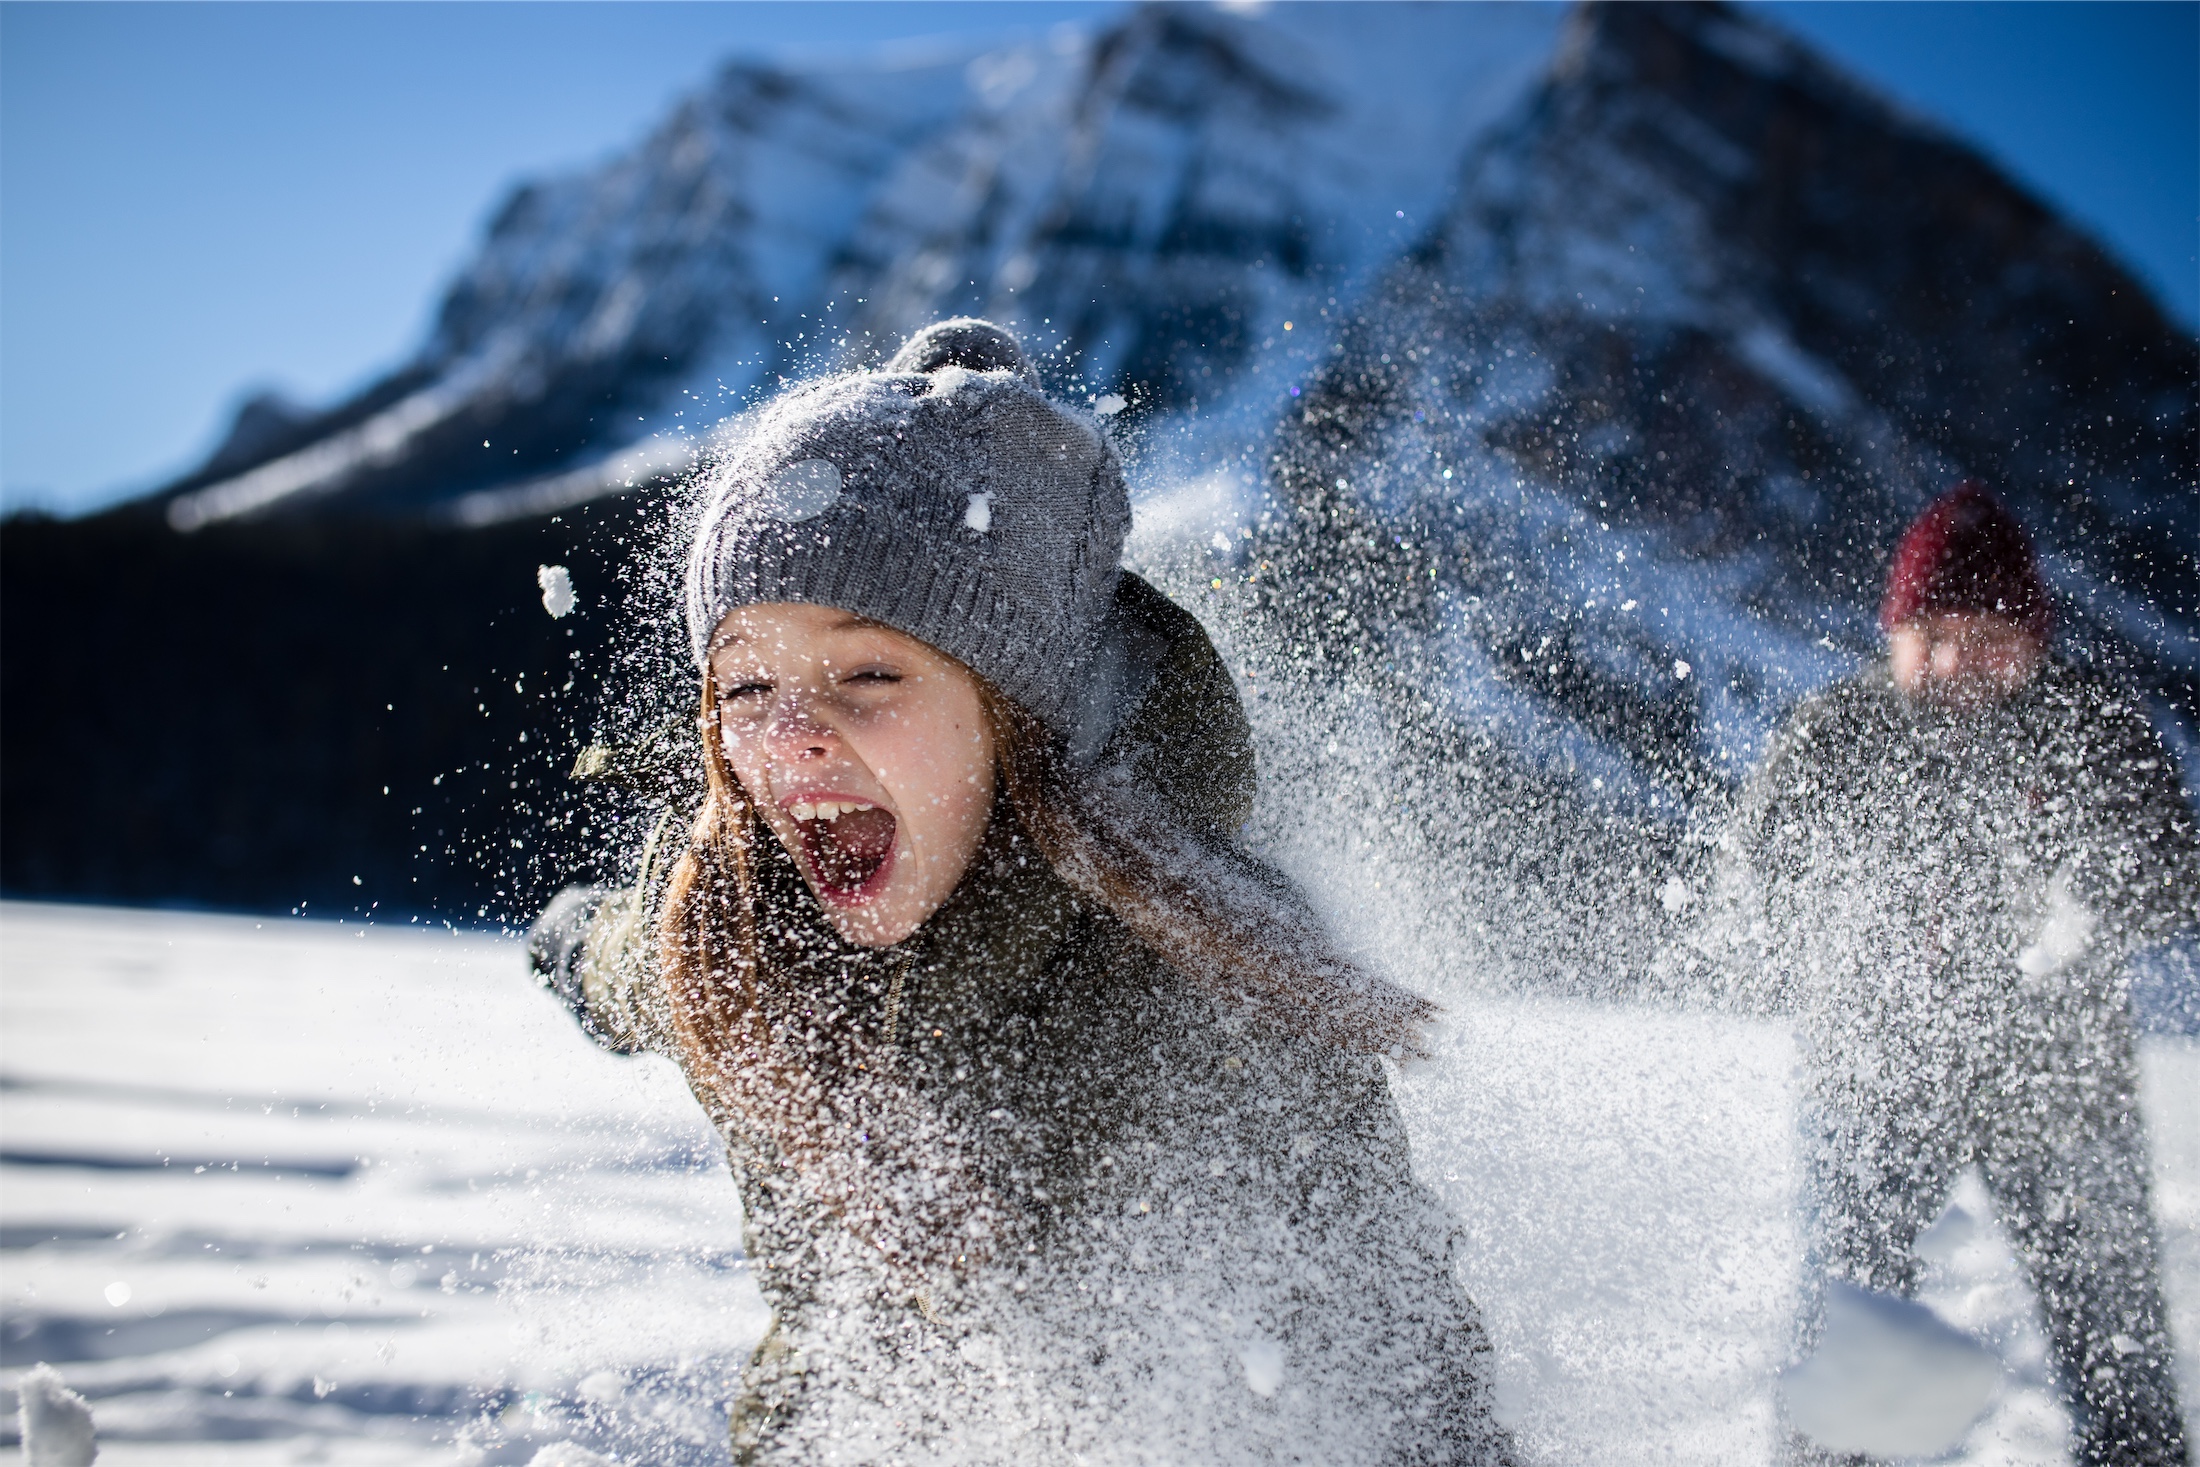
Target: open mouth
{"x": 846, "y": 844}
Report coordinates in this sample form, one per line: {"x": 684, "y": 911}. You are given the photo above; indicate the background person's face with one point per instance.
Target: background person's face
{"x": 1963, "y": 658}
{"x": 868, "y": 752}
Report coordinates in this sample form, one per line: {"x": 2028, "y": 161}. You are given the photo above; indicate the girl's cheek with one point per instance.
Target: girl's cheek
{"x": 744, "y": 755}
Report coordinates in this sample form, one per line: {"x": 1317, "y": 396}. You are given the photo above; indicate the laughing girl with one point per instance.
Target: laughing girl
{"x": 1061, "y": 1128}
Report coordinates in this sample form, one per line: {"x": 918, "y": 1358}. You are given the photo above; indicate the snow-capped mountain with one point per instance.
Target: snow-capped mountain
{"x": 1149, "y": 201}
{"x": 1705, "y": 299}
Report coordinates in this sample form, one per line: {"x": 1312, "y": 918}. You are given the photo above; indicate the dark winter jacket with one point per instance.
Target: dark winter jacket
{"x": 1209, "y": 1245}
{"x": 1893, "y": 864}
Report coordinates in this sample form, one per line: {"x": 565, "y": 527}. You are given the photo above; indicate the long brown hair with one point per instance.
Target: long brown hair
{"x": 1223, "y": 919}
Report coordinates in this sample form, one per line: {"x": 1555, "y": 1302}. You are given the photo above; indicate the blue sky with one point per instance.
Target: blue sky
{"x": 197, "y": 199}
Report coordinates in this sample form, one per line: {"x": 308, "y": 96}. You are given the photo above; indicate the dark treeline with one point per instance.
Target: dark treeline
{"x": 345, "y": 716}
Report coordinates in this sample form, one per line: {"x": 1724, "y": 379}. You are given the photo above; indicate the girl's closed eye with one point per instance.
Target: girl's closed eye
{"x": 872, "y": 677}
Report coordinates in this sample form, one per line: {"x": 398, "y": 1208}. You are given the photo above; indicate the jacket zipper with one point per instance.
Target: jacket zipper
{"x": 893, "y": 997}
{"x": 893, "y": 1030}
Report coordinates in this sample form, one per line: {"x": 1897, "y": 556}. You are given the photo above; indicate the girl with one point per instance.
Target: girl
{"x": 1059, "y": 1124}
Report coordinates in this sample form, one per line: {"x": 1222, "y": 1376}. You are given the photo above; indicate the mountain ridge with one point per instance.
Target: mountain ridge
{"x": 1140, "y": 164}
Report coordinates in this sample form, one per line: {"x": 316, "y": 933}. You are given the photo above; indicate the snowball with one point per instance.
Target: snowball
{"x": 1889, "y": 1379}
{"x": 604, "y": 1387}
{"x": 979, "y": 513}
{"x": 2065, "y": 932}
{"x": 57, "y": 1425}
{"x": 1263, "y": 1361}
{"x": 557, "y": 588}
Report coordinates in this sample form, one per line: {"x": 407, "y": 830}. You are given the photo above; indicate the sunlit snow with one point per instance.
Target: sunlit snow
{"x": 1890, "y": 1378}
{"x": 299, "y": 1192}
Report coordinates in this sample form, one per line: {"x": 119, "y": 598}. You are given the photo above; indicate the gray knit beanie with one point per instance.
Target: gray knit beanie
{"x": 946, "y": 496}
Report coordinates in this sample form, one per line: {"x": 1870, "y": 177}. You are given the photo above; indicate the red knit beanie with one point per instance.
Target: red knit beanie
{"x": 1966, "y": 553}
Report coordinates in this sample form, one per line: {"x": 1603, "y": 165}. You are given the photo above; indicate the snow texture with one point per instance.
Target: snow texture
{"x": 1889, "y": 1378}
{"x": 55, "y": 1422}
{"x": 376, "y": 1201}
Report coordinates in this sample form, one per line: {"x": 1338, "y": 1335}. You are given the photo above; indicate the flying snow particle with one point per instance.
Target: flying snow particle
{"x": 1108, "y": 404}
{"x": 978, "y": 514}
{"x": 118, "y": 1293}
{"x": 1681, "y": 670}
{"x": 1889, "y": 1378}
{"x": 1676, "y": 896}
{"x": 557, "y": 589}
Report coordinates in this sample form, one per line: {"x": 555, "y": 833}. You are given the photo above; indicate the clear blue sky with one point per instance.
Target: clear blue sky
{"x": 196, "y": 199}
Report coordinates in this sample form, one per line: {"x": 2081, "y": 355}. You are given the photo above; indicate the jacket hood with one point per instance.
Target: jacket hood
{"x": 1161, "y": 713}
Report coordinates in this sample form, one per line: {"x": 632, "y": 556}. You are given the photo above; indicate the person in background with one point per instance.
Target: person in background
{"x": 1940, "y": 868}
{"x": 1061, "y": 1127}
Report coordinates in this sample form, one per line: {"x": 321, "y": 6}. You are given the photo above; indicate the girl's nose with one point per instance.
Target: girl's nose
{"x": 796, "y": 732}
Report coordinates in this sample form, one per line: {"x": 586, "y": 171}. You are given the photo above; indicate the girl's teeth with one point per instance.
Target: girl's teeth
{"x": 825, "y": 809}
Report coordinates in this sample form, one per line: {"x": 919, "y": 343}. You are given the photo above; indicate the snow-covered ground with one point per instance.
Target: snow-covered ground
{"x": 296, "y": 1192}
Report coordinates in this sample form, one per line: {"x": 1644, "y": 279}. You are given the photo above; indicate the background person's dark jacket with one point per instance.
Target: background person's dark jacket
{"x": 1944, "y": 901}
{"x": 2031, "y": 845}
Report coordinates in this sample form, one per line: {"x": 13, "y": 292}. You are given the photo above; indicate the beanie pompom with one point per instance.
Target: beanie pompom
{"x": 1966, "y": 553}
{"x": 966, "y": 342}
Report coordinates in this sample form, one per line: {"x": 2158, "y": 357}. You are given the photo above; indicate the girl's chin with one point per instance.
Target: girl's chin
{"x": 879, "y": 923}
